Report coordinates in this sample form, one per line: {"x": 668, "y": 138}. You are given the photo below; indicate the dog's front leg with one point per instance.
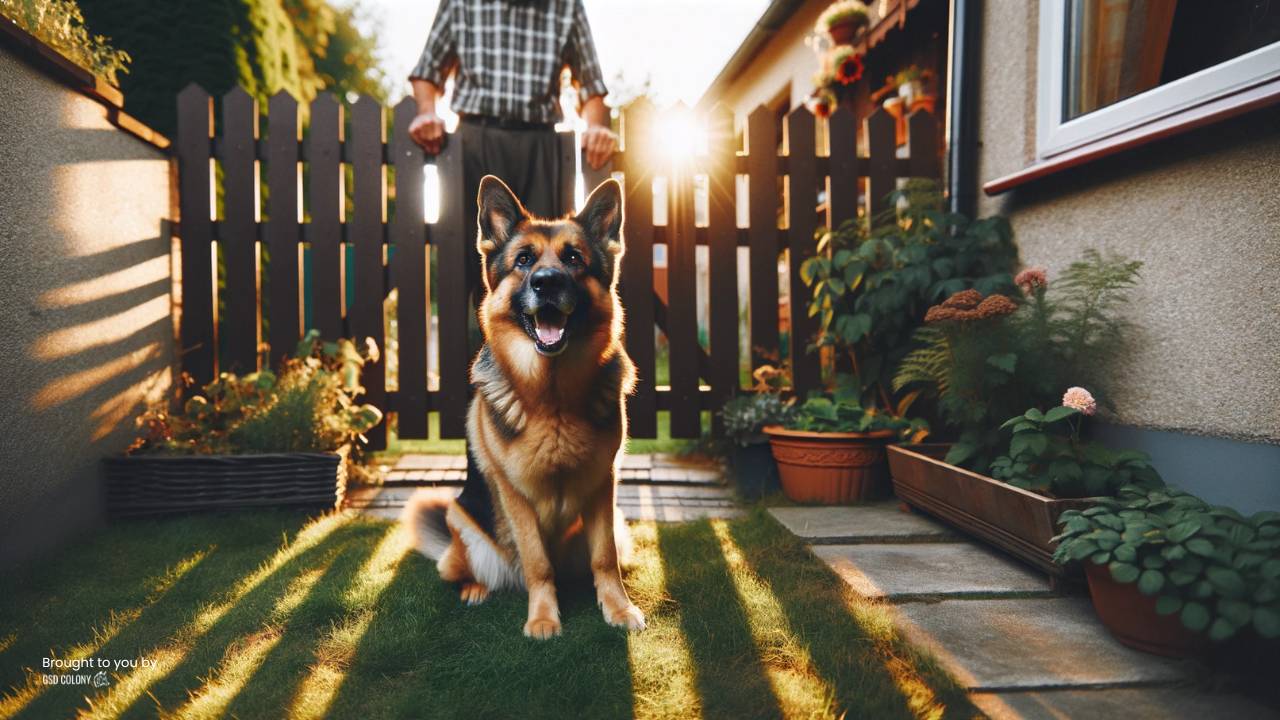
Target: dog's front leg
{"x": 539, "y": 578}
{"x": 598, "y": 521}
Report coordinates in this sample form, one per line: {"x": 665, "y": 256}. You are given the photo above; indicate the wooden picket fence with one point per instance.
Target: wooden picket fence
{"x": 394, "y": 253}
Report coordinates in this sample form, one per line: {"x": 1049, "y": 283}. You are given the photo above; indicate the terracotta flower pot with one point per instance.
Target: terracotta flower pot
{"x": 831, "y": 468}
{"x": 843, "y": 33}
{"x": 1132, "y": 618}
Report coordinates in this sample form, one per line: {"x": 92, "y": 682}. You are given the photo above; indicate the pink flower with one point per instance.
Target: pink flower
{"x": 1032, "y": 279}
{"x": 1078, "y": 398}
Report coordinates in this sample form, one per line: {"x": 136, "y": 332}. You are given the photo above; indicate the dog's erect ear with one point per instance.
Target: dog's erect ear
{"x": 500, "y": 212}
{"x": 601, "y": 216}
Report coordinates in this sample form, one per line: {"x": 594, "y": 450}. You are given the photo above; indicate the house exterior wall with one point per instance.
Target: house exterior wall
{"x": 784, "y": 61}
{"x": 85, "y": 293}
{"x": 1202, "y": 211}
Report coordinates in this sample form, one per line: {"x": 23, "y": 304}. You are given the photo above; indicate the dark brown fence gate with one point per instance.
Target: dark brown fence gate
{"x": 357, "y": 256}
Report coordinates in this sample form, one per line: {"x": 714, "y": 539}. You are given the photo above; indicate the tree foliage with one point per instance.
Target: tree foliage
{"x": 264, "y": 46}
{"x": 60, "y": 25}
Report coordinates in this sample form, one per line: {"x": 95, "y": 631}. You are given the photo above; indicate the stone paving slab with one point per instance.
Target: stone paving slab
{"x": 1030, "y": 644}
{"x": 915, "y": 570}
{"x": 1130, "y": 703}
{"x": 418, "y": 469}
{"x": 874, "y": 522}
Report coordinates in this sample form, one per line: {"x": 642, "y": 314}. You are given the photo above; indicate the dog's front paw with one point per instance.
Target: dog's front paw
{"x": 628, "y": 617}
{"x": 474, "y": 593}
{"x": 542, "y": 628}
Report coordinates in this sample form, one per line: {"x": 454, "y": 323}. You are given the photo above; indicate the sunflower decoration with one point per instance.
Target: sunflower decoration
{"x": 847, "y": 65}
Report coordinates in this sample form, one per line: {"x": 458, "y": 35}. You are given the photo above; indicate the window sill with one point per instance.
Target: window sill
{"x": 1258, "y": 96}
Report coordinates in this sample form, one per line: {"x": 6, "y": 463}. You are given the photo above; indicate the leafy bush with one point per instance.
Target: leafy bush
{"x": 843, "y": 412}
{"x": 1043, "y": 458}
{"x": 746, "y": 414}
{"x": 872, "y": 287}
{"x": 1218, "y": 570}
{"x": 987, "y": 358}
{"x": 60, "y": 25}
{"x": 308, "y": 407}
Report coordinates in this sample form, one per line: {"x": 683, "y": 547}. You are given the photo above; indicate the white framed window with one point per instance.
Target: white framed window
{"x": 1110, "y": 66}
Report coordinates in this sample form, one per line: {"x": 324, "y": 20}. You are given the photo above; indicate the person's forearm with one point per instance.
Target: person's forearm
{"x": 425, "y": 93}
{"x": 595, "y": 112}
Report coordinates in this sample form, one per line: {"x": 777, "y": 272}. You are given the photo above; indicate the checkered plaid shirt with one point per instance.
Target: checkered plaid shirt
{"x": 509, "y": 54}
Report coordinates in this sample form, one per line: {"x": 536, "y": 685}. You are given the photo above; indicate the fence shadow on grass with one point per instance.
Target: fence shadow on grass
{"x": 130, "y": 560}
{"x": 861, "y": 658}
{"x": 727, "y": 667}
{"x": 425, "y": 654}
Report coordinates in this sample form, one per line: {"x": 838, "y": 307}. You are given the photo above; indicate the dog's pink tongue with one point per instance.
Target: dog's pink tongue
{"x": 550, "y": 330}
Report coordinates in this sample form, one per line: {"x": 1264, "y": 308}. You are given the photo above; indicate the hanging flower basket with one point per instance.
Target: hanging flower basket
{"x": 841, "y": 21}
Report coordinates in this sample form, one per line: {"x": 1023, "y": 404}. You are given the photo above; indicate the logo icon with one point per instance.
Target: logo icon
{"x": 100, "y": 680}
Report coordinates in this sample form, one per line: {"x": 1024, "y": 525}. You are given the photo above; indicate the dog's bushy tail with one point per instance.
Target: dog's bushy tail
{"x": 424, "y": 519}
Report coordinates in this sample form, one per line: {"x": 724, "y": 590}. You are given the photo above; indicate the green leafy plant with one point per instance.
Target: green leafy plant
{"x": 872, "y": 283}
{"x": 1218, "y": 570}
{"x": 745, "y": 415}
{"x": 1046, "y": 454}
{"x": 309, "y": 406}
{"x": 60, "y": 25}
{"x": 988, "y": 358}
{"x": 842, "y": 411}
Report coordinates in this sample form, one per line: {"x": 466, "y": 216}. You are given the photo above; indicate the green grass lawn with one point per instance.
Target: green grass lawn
{"x": 664, "y": 443}
{"x": 262, "y": 615}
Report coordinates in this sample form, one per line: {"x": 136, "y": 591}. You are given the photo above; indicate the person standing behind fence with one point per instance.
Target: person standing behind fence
{"x": 506, "y": 57}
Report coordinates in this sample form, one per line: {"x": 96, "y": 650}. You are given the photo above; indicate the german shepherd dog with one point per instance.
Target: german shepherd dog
{"x": 548, "y": 417}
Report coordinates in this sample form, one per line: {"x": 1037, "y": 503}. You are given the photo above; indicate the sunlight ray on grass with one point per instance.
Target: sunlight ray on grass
{"x": 316, "y": 691}
{"x": 662, "y": 674}
{"x": 126, "y": 690}
{"x": 245, "y": 656}
{"x": 800, "y": 690}
{"x": 116, "y": 621}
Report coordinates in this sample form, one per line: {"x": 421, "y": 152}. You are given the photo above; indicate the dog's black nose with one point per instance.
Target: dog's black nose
{"x": 548, "y": 280}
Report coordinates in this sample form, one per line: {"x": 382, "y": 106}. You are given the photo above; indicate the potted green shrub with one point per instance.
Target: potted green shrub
{"x": 1170, "y": 574}
{"x": 842, "y": 20}
{"x": 750, "y": 460}
{"x": 831, "y": 450}
{"x": 264, "y": 439}
{"x": 985, "y": 359}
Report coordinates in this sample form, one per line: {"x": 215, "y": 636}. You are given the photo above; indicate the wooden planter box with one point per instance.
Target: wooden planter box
{"x": 1015, "y": 520}
{"x": 149, "y": 485}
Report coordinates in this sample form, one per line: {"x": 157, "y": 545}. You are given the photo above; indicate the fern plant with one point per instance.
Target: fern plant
{"x": 984, "y": 366}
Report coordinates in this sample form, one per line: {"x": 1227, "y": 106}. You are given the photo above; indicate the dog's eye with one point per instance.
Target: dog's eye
{"x": 524, "y": 259}
{"x": 573, "y": 257}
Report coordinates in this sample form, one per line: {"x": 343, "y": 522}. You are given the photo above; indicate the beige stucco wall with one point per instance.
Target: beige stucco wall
{"x": 1201, "y": 210}
{"x": 784, "y": 59}
{"x": 85, "y": 297}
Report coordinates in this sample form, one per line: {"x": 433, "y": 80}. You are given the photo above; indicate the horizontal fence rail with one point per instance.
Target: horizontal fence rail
{"x": 332, "y": 246}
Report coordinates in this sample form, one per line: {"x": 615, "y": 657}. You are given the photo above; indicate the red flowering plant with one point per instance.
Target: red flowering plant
{"x": 842, "y": 67}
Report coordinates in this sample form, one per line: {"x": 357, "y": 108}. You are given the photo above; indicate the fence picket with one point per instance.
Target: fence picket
{"x": 882, "y": 144}
{"x": 762, "y": 171}
{"x": 453, "y": 235}
{"x": 368, "y": 213}
{"x": 240, "y": 240}
{"x": 637, "y": 269}
{"x": 409, "y": 271}
{"x": 722, "y": 229}
{"x": 842, "y": 186}
{"x": 802, "y": 189}
{"x": 922, "y": 139}
{"x": 328, "y": 211}
{"x": 682, "y": 301}
{"x": 196, "y": 334}
{"x": 283, "y": 230}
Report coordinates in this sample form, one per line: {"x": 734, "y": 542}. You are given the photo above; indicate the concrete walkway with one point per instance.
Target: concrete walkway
{"x": 1022, "y": 650}
{"x": 665, "y": 488}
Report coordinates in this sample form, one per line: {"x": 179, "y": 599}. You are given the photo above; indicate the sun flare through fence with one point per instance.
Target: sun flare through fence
{"x": 716, "y": 231}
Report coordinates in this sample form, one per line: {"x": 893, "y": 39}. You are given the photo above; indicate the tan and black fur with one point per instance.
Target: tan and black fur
{"x": 547, "y": 419}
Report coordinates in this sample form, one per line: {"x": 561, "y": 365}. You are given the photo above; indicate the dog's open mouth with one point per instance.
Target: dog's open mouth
{"x": 549, "y": 332}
